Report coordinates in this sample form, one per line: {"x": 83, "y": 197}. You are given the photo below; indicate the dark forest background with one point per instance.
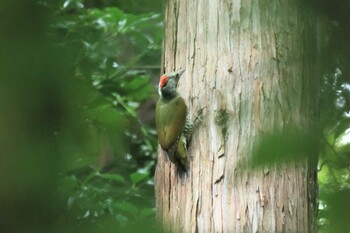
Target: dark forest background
{"x": 78, "y": 83}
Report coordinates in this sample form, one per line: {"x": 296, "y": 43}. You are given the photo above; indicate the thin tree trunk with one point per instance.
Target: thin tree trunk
{"x": 250, "y": 64}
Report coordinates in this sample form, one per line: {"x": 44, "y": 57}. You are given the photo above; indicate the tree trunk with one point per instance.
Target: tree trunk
{"x": 251, "y": 65}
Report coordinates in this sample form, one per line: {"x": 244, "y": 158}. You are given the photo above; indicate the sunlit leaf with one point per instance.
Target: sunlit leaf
{"x": 137, "y": 177}
{"x": 114, "y": 177}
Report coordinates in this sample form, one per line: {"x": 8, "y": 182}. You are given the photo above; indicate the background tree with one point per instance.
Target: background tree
{"x": 252, "y": 65}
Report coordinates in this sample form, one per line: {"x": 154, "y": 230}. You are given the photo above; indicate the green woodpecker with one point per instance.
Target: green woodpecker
{"x": 173, "y": 124}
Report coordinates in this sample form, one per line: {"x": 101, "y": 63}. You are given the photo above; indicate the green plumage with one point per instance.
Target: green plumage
{"x": 170, "y": 122}
{"x": 173, "y": 125}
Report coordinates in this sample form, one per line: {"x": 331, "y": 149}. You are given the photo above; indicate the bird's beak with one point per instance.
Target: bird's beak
{"x": 181, "y": 72}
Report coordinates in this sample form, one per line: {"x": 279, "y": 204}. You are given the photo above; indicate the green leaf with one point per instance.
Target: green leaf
{"x": 122, "y": 219}
{"x": 137, "y": 177}
{"x": 146, "y": 212}
{"x": 286, "y": 146}
{"x": 128, "y": 208}
{"x": 114, "y": 177}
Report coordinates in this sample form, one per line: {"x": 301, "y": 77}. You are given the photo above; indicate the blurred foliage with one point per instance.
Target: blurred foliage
{"x": 287, "y": 145}
{"x": 77, "y": 142}
{"x": 334, "y": 158}
{"x": 334, "y": 161}
{"x": 111, "y": 52}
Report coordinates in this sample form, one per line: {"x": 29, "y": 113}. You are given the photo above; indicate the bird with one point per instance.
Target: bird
{"x": 174, "y": 128}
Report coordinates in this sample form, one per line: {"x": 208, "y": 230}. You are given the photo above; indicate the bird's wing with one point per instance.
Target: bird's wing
{"x": 170, "y": 119}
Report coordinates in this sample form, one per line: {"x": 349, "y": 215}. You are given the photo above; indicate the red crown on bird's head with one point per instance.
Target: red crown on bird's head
{"x": 163, "y": 80}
